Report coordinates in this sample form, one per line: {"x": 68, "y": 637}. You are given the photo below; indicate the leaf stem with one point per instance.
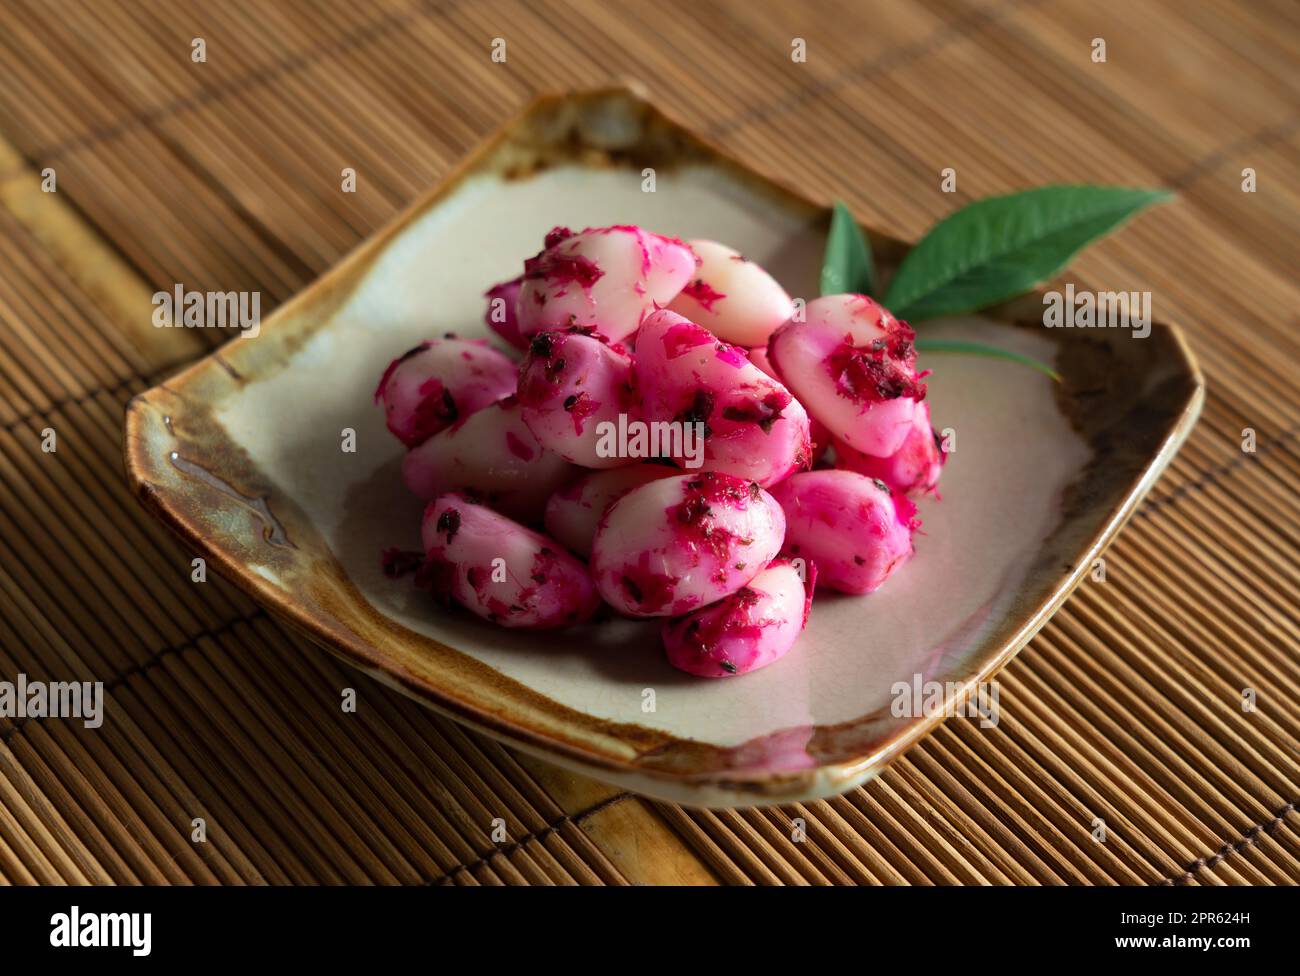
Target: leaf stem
{"x": 961, "y": 347}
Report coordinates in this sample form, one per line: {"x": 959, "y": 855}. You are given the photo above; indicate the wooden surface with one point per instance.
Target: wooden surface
{"x": 225, "y": 175}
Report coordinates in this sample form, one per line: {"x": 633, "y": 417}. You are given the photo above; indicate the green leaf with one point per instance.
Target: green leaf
{"x": 847, "y": 264}
{"x": 980, "y": 349}
{"x": 998, "y": 248}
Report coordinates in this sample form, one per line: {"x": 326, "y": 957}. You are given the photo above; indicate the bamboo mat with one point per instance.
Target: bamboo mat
{"x": 224, "y": 175}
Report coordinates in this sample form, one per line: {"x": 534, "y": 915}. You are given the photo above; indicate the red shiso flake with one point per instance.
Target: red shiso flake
{"x": 545, "y": 566}
{"x": 708, "y": 632}
{"x": 694, "y": 515}
{"x": 699, "y": 410}
{"x": 704, "y": 293}
{"x": 542, "y": 344}
{"x": 905, "y": 509}
{"x": 765, "y": 412}
{"x": 556, "y": 235}
{"x": 649, "y": 590}
{"x": 517, "y": 447}
{"x": 436, "y": 410}
{"x": 684, "y": 336}
{"x": 733, "y": 356}
{"x": 498, "y": 607}
{"x": 562, "y": 269}
{"x": 874, "y": 373}
{"x": 580, "y": 406}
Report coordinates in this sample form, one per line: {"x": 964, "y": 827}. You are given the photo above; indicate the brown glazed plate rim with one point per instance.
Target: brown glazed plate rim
{"x": 1150, "y": 393}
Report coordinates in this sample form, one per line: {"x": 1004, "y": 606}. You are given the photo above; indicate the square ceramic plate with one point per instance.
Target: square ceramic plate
{"x": 241, "y": 454}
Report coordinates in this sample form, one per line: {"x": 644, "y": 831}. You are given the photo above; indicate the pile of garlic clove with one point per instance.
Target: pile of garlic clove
{"x": 695, "y": 446}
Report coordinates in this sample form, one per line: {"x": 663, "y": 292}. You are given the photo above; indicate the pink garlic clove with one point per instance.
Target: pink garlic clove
{"x": 679, "y": 543}
{"x": 440, "y": 381}
{"x": 913, "y": 469}
{"x": 500, "y": 570}
{"x": 574, "y": 511}
{"x": 733, "y": 298}
{"x": 569, "y": 384}
{"x": 748, "y": 630}
{"x": 852, "y": 527}
{"x": 853, "y": 366}
{"x": 492, "y": 456}
{"x": 605, "y": 279}
{"x": 754, "y": 428}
